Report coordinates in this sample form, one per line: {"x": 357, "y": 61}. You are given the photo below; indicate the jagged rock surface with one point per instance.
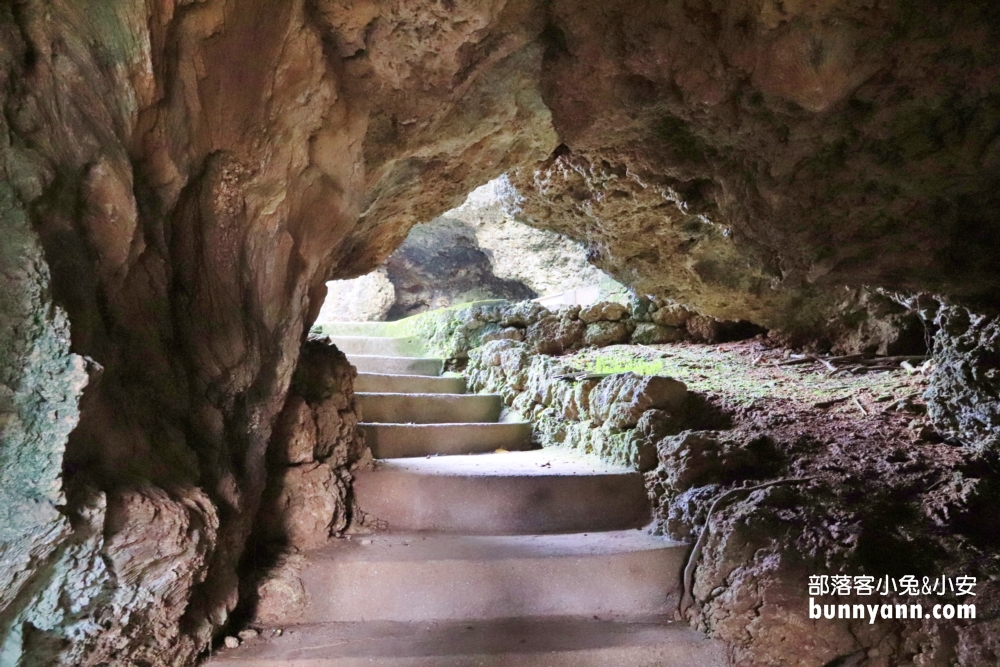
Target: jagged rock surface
{"x": 750, "y": 159}
{"x": 547, "y": 262}
{"x": 313, "y": 446}
{"x": 471, "y": 253}
{"x": 192, "y": 173}
{"x": 615, "y": 417}
{"x": 964, "y": 398}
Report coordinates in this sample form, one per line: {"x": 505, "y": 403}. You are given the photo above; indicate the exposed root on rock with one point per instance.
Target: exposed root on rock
{"x": 687, "y": 598}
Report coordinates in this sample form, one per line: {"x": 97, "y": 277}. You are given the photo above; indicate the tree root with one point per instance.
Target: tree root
{"x": 855, "y": 364}
{"x": 687, "y": 598}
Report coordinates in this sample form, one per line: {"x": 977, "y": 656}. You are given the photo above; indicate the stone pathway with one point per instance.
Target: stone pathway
{"x": 492, "y": 558}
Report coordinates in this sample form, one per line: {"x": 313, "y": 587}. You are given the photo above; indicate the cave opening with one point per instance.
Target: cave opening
{"x": 478, "y": 251}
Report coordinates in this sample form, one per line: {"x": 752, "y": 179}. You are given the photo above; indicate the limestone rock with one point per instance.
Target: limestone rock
{"x": 280, "y": 594}
{"x": 365, "y": 299}
{"x": 179, "y": 184}
{"x": 335, "y": 431}
{"x": 313, "y": 446}
{"x": 691, "y": 459}
{"x": 619, "y": 400}
{"x": 440, "y": 264}
{"x": 964, "y": 397}
{"x": 671, "y": 316}
{"x": 473, "y": 252}
{"x": 631, "y": 149}
{"x": 969, "y": 505}
{"x": 554, "y": 334}
{"x": 507, "y": 333}
{"x": 655, "y": 424}
{"x": 979, "y": 643}
{"x": 309, "y": 506}
{"x": 647, "y": 333}
{"x": 295, "y": 433}
{"x": 324, "y": 373}
{"x": 547, "y": 262}
{"x": 601, "y": 334}
{"x": 606, "y": 311}
{"x": 523, "y": 314}
{"x": 703, "y": 329}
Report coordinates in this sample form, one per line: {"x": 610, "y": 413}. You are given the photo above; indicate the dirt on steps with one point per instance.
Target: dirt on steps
{"x": 557, "y": 642}
{"x": 493, "y": 538}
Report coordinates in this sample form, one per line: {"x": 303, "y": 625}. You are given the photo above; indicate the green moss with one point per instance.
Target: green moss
{"x": 441, "y": 333}
{"x": 729, "y": 373}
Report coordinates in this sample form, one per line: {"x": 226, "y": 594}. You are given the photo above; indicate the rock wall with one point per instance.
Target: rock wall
{"x": 314, "y": 447}
{"x": 314, "y": 444}
{"x": 451, "y": 334}
{"x": 40, "y": 386}
{"x": 191, "y": 174}
{"x": 162, "y": 156}
{"x": 471, "y": 253}
{"x": 440, "y": 265}
{"x": 619, "y": 417}
{"x": 546, "y": 262}
{"x": 749, "y": 159}
{"x": 840, "y": 519}
{"x": 845, "y": 493}
{"x": 964, "y": 398}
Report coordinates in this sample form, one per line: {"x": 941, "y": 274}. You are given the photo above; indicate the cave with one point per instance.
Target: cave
{"x": 479, "y": 251}
{"x": 802, "y": 375}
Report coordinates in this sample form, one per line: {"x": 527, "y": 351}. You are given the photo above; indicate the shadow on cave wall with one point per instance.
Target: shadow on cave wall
{"x": 441, "y": 264}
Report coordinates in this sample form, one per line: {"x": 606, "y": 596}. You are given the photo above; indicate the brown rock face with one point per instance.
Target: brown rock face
{"x": 192, "y": 172}
{"x": 309, "y": 506}
{"x": 750, "y": 159}
{"x": 314, "y": 445}
{"x": 164, "y": 156}
{"x": 454, "y": 100}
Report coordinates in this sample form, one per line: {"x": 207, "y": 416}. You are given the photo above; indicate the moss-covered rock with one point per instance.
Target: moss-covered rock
{"x": 619, "y": 417}
{"x": 602, "y": 334}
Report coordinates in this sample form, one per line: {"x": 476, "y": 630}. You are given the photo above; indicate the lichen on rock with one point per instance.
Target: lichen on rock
{"x": 964, "y": 397}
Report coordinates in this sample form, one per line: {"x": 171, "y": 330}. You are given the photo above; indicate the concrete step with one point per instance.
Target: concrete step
{"x": 561, "y": 642}
{"x": 429, "y": 408}
{"x": 366, "y": 363}
{"x": 393, "y": 441}
{"x": 419, "y": 577}
{"x": 516, "y": 493}
{"x": 409, "y": 384}
{"x": 384, "y": 346}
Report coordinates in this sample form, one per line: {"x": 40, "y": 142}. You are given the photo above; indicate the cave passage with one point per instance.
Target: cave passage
{"x": 475, "y": 252}
{"x": 789, "y": 370}
{"x": 512, "y": 449}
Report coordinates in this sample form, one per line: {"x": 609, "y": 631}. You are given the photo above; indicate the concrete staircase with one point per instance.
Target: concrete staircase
{"x": 492, "y": 558}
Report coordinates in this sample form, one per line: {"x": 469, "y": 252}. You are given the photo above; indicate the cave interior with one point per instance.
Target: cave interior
{"x": 796, "y": 361}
